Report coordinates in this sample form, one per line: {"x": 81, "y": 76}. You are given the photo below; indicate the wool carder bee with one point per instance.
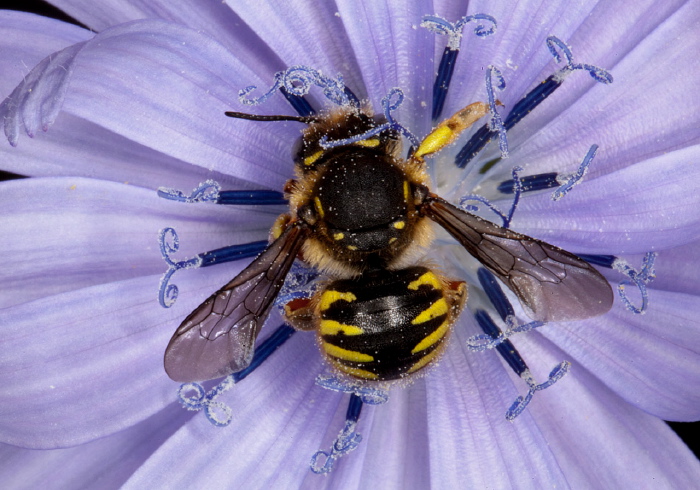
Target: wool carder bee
{"x": 363, "y": 215}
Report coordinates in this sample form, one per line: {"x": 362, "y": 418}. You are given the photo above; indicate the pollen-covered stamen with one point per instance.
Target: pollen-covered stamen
{"x": 516, "y": 199}
{"x": 388, "y": 107}
{"x": 638, "y": 278}
{"x": 496, "y": 123}
{"x": 510, "y": 354}
{"x": 368, "y": 395}
{"x": 297, "y": 81}
{"x": 347, "y": 440}
{"x": 169, "y": 243}
{"x": 299, "y": 103}
{"x": 521, "y": 402}
{"x": 442, "y": 26}
{"x": 210, "y": 191}
{"x": 207, "y": 400}
{"x": 576, "y": 178}
{"x": 531, "y": 100}
{"x": 297, "y": 284}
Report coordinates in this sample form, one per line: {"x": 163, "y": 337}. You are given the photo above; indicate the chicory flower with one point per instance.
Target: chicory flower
{"x": 138, "y": 103}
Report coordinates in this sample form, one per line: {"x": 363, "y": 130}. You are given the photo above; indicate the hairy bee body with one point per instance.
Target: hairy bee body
{"x": 362, "y": 215}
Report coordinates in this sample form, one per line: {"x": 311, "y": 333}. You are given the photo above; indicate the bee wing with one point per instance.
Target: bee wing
{"x": 218, "y": 338}
{"x": 551, "y": 284}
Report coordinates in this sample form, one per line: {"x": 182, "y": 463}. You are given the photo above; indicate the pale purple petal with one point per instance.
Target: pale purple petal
{"x": 647, "y": 206}
{"x": 88, "y": 363}
{"x": 103, "y": 463}
{"x": 89, "y": 232}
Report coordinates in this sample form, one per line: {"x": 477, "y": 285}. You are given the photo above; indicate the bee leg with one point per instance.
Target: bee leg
{"x": 299, "y": 313}
{"x": 448, "y": 130}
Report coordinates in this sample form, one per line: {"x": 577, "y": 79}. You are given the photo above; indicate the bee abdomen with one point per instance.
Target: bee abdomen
{"x": 385, "y": 325}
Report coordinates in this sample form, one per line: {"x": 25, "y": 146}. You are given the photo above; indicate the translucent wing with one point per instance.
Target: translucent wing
{"x": 552, "y": 284}
{"x": 218, "y": 338}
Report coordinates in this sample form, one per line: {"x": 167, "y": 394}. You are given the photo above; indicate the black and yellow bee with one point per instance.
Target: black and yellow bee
{"x": 363, "y": 215}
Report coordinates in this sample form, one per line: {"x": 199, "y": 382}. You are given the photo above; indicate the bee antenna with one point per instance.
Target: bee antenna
{"x": 256, "y": 117}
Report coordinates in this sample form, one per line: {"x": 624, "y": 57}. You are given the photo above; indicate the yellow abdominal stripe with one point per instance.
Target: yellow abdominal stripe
{"x": 424, "y": 361}
{"x": 330, "y": 296}
{"x": 346, "y": 355}
{"x": 356, "y": 372}
{"x": 331, "y": 327}
{"x": 436, "y": 309}
{"x": 433, "y": 338}
{"x": 427, "y": 278}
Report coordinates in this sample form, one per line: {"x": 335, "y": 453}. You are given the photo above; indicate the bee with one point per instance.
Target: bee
{"x": 363, "y": 216}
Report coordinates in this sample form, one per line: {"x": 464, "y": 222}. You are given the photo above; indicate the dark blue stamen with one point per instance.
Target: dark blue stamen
{"x": 601, "y": 260}
{"x": 531, "y": 100}
{"x": 299, "y": 103}
{"x": 368, "y": 395}
{"x": 210, "y": 191}
{"x": 232, "y": 253}
{"x": 505, "y": 348}
{"x": 511, "y": 355}
{"x": 207, "y": 399}
{"x": 530, "y": 183}
{"x": 516, "y": 199}
{"x": 256, "y": 197}
{"x": 346, "y": 441}
{"x": 442, "y": 81}
{"x": 494, "y": 292}
{"x": 441, "y": 26}
{"x": 638, "y": 278}
{"x": 576, "y": 178}
{"x": 169, "y": 243}
{"x": 352, "y": 97}
{"x": 297, "y": 81}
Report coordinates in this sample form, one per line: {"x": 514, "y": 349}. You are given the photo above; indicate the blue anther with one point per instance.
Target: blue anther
{"x": 300, "y": 105}
{"x": 232, "y": 253}
{"x": 638, "y": 278}
{"x": 504, "y": 346}
{"x": 601, "y": 260}
{"x": 346, "y": 441}
{"x": 496, "y": 123}
{"x": 367, "y": 394}
{"x": 494, "y": 292}
{"x": 206, "y": 400}
{"x": 521, "y": 402}
{"x": 251, "y": 198}
{"x": 576, "y": 178}
{"x": 441, "y": 26}
{"x": 530, "y": 183}
{"x": 516, "y": 199}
